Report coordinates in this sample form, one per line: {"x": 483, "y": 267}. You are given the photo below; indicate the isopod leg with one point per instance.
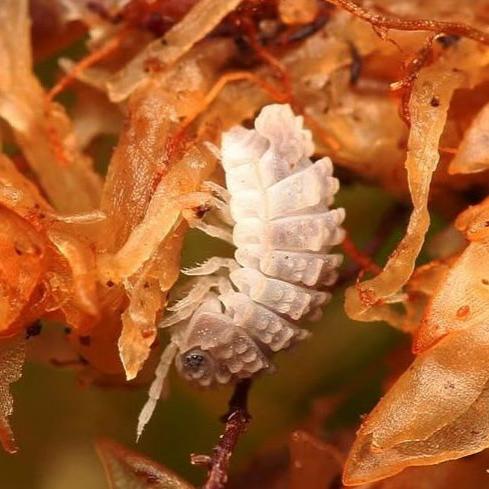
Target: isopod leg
{"x": 157, "y": 386}
{"x": 216, "y": 231}
{"x": 212, "y": 265}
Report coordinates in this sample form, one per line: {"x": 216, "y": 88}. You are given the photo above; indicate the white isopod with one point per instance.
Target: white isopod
{"x": 276, "y": 212}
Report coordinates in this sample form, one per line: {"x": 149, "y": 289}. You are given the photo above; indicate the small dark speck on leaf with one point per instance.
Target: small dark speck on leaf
{"x": 435, "y": 102}
{"x": 447, "y": 40}
{"x": 33, "y": 330}
{"x": 356, "y": 64}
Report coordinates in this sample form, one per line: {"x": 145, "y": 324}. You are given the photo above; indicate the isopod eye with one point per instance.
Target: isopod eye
{"x": 196, "y": 364}
{"x": 194, "y": 361}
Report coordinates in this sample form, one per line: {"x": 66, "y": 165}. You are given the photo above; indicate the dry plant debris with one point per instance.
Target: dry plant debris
{"x": 127, "y": 469}
{"x": 394, "y": 91}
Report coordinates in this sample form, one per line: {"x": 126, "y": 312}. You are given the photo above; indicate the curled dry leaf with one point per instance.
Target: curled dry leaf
{"x": 159, "y": 258}
{"x": 420, "y": 289}
{"x": 436, "y": 410}
{"x": 146, "y": 191}
{"x": 428, "y": 106}
{"x": 164, "y": 52}
{"x": 43, "y": 131}
{"x": 153, "y": 113}
{"x": 126, "y": 469}
{"x": 146, "y": 299}
{"x": 163, "y": 212}
{"x": 21, "y": 267}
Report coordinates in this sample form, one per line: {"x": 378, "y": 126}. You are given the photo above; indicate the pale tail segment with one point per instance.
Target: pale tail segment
{"x": 242, "y": 310}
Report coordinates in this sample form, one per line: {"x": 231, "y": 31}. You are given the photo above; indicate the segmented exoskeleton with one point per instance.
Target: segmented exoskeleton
{"x": 276, "y": 212}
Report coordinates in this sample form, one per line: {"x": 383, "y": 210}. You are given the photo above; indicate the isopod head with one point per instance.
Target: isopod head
{"x": 196, "y": 365}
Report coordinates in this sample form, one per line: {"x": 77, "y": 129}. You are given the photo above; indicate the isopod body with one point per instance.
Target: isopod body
{"x": 277, "y": 214}
{"x": 283, "y": 230}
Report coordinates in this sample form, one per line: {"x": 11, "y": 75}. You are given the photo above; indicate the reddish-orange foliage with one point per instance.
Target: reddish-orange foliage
{"x": 100, "y": 254}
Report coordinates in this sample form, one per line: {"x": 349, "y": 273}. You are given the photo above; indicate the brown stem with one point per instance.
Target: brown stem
{"x": 398, "y": 23}
{"x": 391, "y": 218}
{"x": 236, "y": 421}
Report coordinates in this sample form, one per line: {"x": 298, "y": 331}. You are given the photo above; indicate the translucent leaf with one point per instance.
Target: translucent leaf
{"x": 149, "y": 261}
{"x": 12, "y": 356}
{"x": 465, "y": 435}
{"x": 43, "y": 132}
{"x": 424, "y": 282}
{"x": 198, "y": 22}
{"x": 126, "y": 469}
{"x": 451, "y": 307}
{"x": 460, "y": 300}
{"x": 470, "y": 472}
{"x": 428, "y": 105}
{"x": 22, "y": 265}
{"x": 473, "y": 153}
{"x": 434, "y": 412}
{"x": 146, "y": 300}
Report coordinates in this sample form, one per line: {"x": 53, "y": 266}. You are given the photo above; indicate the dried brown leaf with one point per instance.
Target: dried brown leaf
{"x": 430, "y": 99}
{"x": 453, "y": 307}
{"x": 466, "y": 434}
{"x": 473, "y": 153}
{"x": 199, "y": 21}
{"x": 467, "y": 472}
{"x": 126, "y": 469}
{"x": 12, "y": 356}
{"x": 21, "y": 267}
{"x": 42, "y": 131}
{"x": 146, "y": 300}
{"x": 424, "y": 282}
{"x": 436, "y": 410}
{"x": 141, "y": 155}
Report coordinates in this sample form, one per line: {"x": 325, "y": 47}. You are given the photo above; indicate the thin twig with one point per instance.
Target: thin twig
{"x": 363, "y": 262}
{"x": 391, "y": 21}
{"x": 236, "y": 421}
